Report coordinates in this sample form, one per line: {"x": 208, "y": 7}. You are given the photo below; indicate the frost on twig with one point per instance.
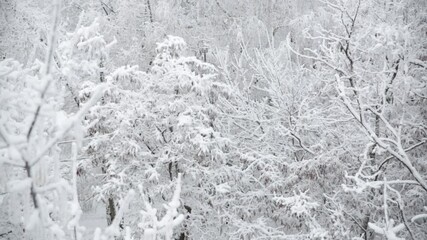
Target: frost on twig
{"x": 419, "y": 216}
{"x": 389, "y": 231}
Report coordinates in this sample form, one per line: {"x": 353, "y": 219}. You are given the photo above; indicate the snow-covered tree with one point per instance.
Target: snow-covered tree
{"x": 281, "y": 119}
{"x": 31, "y": 124}
{"x": 151, "y": 126}
{"x": 372, "y": 58}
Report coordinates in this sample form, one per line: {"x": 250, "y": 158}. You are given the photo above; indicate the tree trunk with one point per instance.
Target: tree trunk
{"x": 111, "y": 211}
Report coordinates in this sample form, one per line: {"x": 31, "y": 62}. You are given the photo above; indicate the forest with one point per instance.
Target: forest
{"x": 213, "y": 119}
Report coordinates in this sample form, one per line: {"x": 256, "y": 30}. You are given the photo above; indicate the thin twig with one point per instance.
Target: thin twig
{"x": 406, "y": 150}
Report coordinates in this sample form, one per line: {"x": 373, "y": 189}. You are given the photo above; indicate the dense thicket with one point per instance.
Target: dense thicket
{"x": 214, "y": 119}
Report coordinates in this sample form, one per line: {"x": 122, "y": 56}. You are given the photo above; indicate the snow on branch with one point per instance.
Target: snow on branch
{"x": 153, "y": 227}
